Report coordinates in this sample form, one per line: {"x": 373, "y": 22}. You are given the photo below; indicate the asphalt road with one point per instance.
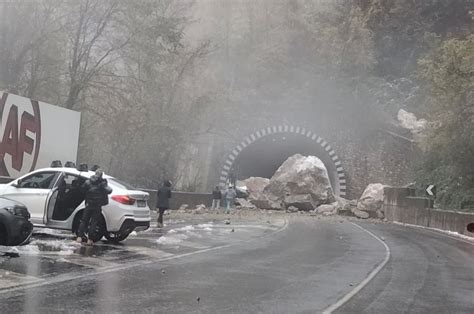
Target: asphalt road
{"x": 297, "y": 264}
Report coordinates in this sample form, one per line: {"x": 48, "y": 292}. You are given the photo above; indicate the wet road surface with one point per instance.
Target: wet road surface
{"x": 295, "y": 264}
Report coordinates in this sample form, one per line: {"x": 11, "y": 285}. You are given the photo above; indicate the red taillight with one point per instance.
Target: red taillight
{"x": 123, "y": 199}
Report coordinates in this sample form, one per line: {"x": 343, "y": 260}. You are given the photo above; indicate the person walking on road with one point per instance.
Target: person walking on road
{"x": 96, "y": 192}
{"x": 163, "y": 201}
{"x": 216, "y": 198}
{"x": 230, "y": 195}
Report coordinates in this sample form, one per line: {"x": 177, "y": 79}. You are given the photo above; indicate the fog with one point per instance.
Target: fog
{"x": 167, "y": 88}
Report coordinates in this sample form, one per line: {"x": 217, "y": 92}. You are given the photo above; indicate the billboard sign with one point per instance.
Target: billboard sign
{"x": 33, "y": 133}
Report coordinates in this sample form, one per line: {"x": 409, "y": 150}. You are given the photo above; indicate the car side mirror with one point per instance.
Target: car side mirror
{"x": 17, "y": 184}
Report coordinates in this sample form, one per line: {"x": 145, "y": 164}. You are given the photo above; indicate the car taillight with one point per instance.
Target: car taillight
{"x": 123, "y": 199}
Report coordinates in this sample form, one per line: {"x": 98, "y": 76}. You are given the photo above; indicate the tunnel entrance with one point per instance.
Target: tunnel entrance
{"x": 261, "y": 153}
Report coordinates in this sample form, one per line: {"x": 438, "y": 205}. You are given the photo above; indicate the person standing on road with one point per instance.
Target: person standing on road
{"x": 96, "y": 191}
{"x": 163, "y": 201}
{"x": 230, "y": 195}
{"x": 216, "y": 198}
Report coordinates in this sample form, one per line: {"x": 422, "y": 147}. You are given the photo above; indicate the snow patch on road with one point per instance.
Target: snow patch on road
{"x": 172, "y": 240}
{"x": 68, "y": 252}
{"x": 25, "y": 250}
{"x": 61, "y": 247}
{"x": 193, "y": 234}
{"x": 48, "y": 231}
{"x": 187, "y": 228}
{"x": 208, "y": 225}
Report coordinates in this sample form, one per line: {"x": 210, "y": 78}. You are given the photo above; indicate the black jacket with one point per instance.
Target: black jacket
{"x": 163, "y": 197}
{"x": 96, "y": 190}
{"x": 216, "y": 194}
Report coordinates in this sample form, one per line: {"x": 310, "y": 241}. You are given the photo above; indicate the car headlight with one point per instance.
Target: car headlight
{"x": 18, "y": 211}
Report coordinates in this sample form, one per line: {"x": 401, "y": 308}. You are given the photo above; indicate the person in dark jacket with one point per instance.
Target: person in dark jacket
{"x": 96, "y": 191}
{"x": 163, "y": 201}
{"x": 216, "y": 198}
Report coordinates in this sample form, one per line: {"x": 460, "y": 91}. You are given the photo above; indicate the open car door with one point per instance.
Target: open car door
{"x": 52, "y": 201}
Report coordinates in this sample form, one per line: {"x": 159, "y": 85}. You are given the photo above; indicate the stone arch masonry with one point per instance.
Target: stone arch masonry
{"x": 340, "y": 179}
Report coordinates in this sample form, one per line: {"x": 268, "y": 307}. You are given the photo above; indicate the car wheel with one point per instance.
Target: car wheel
{"x": 3, "y": 235}
{"x": 25, "y": 234}
{"x": 117, "y": 236}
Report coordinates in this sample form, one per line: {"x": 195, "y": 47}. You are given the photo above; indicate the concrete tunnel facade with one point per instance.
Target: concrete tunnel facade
{"x": 262, "y": 152}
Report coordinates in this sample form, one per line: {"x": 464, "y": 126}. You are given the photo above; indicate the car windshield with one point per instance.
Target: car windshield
{"x": 121, "y": 184}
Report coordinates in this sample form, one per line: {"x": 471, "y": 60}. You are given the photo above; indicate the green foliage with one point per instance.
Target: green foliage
{"x": 400, "y": 28}
{"x": 448, "y": 77}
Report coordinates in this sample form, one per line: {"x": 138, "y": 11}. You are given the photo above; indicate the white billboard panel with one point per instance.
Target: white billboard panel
{"x": 34, "y": 133}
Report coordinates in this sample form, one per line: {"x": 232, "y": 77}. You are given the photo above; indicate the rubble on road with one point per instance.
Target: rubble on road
{"x": 326, "y": 209}
{"x": 360, "y": 214}
{"x": 292, "y": 209}
{"x": 200, "y": 209}
{"x": 348, "y": 208}
{"x": 243, "y": 203}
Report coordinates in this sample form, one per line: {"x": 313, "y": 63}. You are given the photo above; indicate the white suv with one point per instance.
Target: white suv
{"x": 55, "y": 200}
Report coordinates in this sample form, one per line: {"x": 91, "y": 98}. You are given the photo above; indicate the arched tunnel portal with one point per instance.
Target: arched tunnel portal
{"x": 261, "y": 153}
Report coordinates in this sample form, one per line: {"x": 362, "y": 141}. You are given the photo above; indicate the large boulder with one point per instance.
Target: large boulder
{"x": 302, "y": 182}
{"x": 371, "y": 200}
{"x": 255, "y": 187}
{"x": 266, "y": 203}
{"x": 300, "y": 201}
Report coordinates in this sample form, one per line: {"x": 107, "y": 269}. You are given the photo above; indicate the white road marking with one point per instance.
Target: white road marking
{"x": 364, "y": 282}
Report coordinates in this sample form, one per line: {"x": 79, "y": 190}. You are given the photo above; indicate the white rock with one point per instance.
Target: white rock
{"x": 183, "y": 207}
{"x": 300, "y": 175}
{"x": 372, "y": 198}
{"x": 409, "y": 121}
{"x": 244, "y": 203}
{"x": 255, "y": 185}
{"x": 292, "y": 209}
{"x": 361, "y": 214}
{"x": 328, "y": 213}
{"x": 326, "y": 208}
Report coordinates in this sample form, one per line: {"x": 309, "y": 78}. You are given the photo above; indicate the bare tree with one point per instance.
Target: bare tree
{"x": 91, "y": 42}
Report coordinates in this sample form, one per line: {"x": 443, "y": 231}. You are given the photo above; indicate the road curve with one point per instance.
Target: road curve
{"x": 305, "y": 268}
{"x": 428, "y": 272}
